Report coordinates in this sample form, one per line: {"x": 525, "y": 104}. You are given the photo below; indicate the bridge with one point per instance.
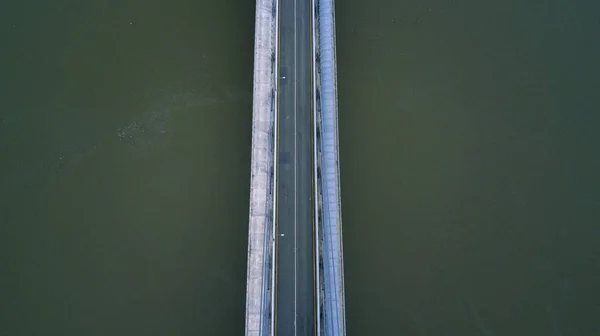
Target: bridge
{"x": 295, "y": 282}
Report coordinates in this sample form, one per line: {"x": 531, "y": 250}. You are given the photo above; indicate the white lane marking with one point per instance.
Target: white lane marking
{"x": 315, "y": 167}
{"x": 275, "y": 184}
{"x": 295, "y": 179}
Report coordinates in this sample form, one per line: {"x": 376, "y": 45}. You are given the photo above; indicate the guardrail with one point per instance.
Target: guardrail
{"x": 334, "y": 301}
{"x": 275, "y": 107}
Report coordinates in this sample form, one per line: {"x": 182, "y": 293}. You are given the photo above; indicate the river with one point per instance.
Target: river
{"x": 468, "y": 134}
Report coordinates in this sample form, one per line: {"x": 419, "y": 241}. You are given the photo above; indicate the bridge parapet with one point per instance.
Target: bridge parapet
{"x": 260, "y": 231}
{"x": 331, "y": 215}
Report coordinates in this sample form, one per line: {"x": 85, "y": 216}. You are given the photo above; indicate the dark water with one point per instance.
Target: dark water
{"x": 471, "y": 196}
{"x": 124, "y": 134}
{"x": 469, "y": 166}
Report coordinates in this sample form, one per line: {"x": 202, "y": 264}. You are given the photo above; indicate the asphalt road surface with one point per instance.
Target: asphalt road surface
{"x": 295, "y": 282}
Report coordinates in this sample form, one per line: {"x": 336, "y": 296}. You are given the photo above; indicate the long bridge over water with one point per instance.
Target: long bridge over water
{"x": 295, "y": 282}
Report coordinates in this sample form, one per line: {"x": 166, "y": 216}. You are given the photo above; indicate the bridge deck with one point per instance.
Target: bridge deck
{"x": 295, "y": 267}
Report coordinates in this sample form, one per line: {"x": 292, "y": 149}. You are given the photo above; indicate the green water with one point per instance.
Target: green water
{"x": 124, "y": 135}
{"x": 471, "y": 197}
{"x": 469, "y": 166}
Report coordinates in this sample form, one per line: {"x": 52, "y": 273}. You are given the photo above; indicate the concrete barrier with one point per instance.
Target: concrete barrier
{"x": 260, "y": 231}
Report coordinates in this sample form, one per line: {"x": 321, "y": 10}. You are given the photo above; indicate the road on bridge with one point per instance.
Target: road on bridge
{"x": 295, "y": 269}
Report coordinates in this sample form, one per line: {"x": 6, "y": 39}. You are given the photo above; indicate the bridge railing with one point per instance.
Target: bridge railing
{"x": 334, "y": 311}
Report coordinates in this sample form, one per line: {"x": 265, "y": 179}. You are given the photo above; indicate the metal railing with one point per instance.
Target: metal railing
{"x": 334, "y": 312}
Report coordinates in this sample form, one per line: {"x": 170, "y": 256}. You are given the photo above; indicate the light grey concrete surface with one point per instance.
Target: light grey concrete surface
{"x": 260, "y": 231}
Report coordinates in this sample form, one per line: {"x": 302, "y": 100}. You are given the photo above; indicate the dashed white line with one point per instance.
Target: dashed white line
{"x": 295, "y": 178}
